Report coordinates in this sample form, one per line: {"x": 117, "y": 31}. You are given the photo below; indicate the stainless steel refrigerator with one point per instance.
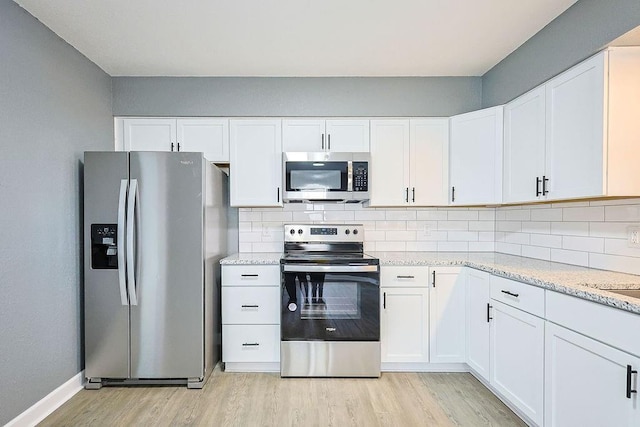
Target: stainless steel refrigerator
{"x": 154, "y": 232}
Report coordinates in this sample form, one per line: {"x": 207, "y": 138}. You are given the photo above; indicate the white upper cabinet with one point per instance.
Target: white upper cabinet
{"x": 149, "y": 134}
{"x": 207, "y": 135}
{"x": 210, "y": 136}
{"x": 256, "y": 162}
{"x": 475, "y": 153}
{"x": 409, "y": 159}
{"x": 524, "y": 147}
{"x": 338, "y": 135}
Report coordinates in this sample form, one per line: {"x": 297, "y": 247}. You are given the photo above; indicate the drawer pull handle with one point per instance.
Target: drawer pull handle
{"x": 248, "y": 275}
{"x": 510, "y": 293}
{"x": 405, "y": 277}
{"x": 630, "y": 372}
{"x": 250, "y": 344}
{"x": 249, "y": 306}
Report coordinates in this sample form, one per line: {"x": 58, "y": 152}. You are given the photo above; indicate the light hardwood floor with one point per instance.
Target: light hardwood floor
{"x": 232, "y": 399}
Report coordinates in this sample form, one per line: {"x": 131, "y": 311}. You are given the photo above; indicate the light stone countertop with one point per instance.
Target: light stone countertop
{"x": 586, "y": 283}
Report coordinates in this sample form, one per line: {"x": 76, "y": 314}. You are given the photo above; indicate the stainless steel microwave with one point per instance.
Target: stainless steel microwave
{"x": 326, "y": 177}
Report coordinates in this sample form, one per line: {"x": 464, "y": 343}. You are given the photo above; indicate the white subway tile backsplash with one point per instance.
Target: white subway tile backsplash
{"x": 422, "y": 246}
{"x": 453, "y": 246}
{"x": 374, "y": 236}
{"x": 400, "y": 236}
{"x": 401, "y": 215}
{"x": 462, "y": 236}
{"x": 431, "y": 215}
{"x": 481, "y": 246}
{"x": 614, "y": 230}
{"x": 539, "y": 227}
{"x": 509, "y": 226}
{"x": 431, "y": 235}
{"x": 329, "y": 207}
{"x": 308, "y": 216}
{"x": 536, "y": 252}
{"x": 517, "y": 238}
{"x": 391, "y": 225}
{"x": 570, "y": 228}
{"x": 247, "y": 215}
{"x": 508, "y": 248}
{"x": 453, "y": 225}
{"x": 624, "y": 213}
{"x": 547, "y": 214}
{"x": 615, "y": 263}
{"x": 462, "y": 215}
{"x": 620, "y": 247}
{"x": 369, "y": 215}
{"x": 277, "y": 216}
{"x": 585, "y": 244}
{"x": 251, "y": 236}
{"x": 267, "y": 247}
{"x": 482, "y": 225}
{"x": 244, "y": 226}
{"x": 486, "y": 236}
{"x": 547, "y": 241}
{"x": 245, "y": 247}
{"x": 570, "y": 257}
{"x": 487, "y": 215}
{"x": 338, "y": 215}
{"x": 592, "y": 213}
{"x": 391, "y": 246}
{"x": 518, "y": 215}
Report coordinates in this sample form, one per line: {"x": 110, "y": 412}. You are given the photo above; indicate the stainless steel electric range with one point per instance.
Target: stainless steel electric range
{"x": 330, "y": 303}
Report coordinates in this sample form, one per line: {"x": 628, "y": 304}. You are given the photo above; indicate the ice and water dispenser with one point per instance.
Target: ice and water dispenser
{"x": 104, "y": 246}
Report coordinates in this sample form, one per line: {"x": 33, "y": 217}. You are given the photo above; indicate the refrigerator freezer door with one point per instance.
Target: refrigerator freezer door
{"x": 106, "y": 312}
{"x": 167, "y": 324}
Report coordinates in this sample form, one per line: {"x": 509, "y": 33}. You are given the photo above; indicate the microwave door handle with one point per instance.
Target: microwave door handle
{"x": 131, "y": 241}
{"x": 349, "y": 176}
{"x": 122, "y": 268}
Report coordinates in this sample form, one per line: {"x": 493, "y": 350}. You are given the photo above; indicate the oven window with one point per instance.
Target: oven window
{"x": 309, "y": 176}
{"x": 331, "y": 306}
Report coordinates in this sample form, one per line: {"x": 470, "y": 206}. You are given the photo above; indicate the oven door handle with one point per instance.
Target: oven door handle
{"x": 315, "y": 268}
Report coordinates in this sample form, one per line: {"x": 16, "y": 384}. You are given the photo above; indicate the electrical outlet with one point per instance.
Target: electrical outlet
{"x": 633, "y": 237}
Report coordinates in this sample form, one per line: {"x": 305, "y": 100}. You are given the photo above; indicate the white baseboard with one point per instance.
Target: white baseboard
{"x": 52, "y": 401}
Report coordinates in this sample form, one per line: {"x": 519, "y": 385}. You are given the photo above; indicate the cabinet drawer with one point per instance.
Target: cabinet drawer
{"x": 250, "y": 275}
{"x": 517, "y": 294}
{"x": 250, "y": 343}
{"x": 246, "y": 305}
{"x": 404, "y": 277}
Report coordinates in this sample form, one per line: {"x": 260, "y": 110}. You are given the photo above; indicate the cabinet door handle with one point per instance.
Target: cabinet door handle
{"x": 433, "y": 280}
{"x": 248, "y": 275}
{"x": 544, "y": 185}
{"x": 630, "y": 371}
{"x": 538, "y": 181}
{"x": 406, "y": 194}
{"x": 322, "y": 141}
{"x": 172, "y": 146}
{"x": 249, "y": 306}
{"x": 250, "y": 344}
{"x": 510, "y": 293}
{"x": 384, "y": 300}
{"x": 178, "y": 146}
{"x": 328, "y": 141}
{"x": 405, "y": 277}
{"x": 489, "y": 307}
{"x": 453, "y": 194}
{"x": 413, "y": 194}
{"x": 278, "y": 196}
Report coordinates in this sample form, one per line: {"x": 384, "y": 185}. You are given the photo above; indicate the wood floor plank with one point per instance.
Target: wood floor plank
{"x": 265, "y": 399}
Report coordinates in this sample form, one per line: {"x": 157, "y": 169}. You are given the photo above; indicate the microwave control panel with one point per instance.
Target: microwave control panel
{"x": 360, "y": 176}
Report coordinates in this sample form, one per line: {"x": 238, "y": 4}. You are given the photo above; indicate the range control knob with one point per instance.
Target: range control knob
{"x": 292, "y": 231}
{"x": 355, "y": 231}
{"x": 346, "y": 231}
{"x": 300, "y": 231}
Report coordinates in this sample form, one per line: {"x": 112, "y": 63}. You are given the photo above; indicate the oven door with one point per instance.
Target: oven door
{"x": 330, "y": 303}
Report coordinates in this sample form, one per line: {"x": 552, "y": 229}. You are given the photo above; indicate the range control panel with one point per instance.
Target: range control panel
{"x": 324, "y": 233}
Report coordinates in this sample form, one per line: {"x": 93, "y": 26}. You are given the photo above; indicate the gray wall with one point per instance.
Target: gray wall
{"x": 582, "y": 30}
{"x": 280, "y": 96}
{"x": 54, "y": 104}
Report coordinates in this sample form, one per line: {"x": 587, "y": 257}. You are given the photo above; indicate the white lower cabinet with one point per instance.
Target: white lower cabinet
{"x": 404, "y": 317}
{"x": 478, "y": 322}
{"x": 588, "y": 383}
{"x": 447, "y": 315}
{"x": 251, "y": 318}
{"x": 517, "y": 359}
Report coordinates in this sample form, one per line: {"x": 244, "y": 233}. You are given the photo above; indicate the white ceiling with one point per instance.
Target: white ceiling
{"x": 296, "y": 37}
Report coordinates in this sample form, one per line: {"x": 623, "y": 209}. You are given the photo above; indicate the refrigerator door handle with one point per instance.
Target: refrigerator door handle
{"x": 122, "y": 268}
{"x": 131, "y": 243}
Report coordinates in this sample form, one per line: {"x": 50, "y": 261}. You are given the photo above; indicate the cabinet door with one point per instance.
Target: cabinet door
{"x": 524, "y": 145}
{"x": 404, "y": 331}
{"x": 210, "y": 136}
{"x": 576, "y": 131}
{"x": 389, "y": 172}
{"x": 345, "y": 136}
{"x": 475, "y": 154}
{"x": 429, "y": 161}
{"x": 478, "y": 322}
{"x": 447, "y": 317}
{"x": 517, "y": 359}
{"x": 255, "y": 162}
{"x": 586, "y": 382}
{"x": 303, "y": 135}
{"x": 149, "y": 134}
